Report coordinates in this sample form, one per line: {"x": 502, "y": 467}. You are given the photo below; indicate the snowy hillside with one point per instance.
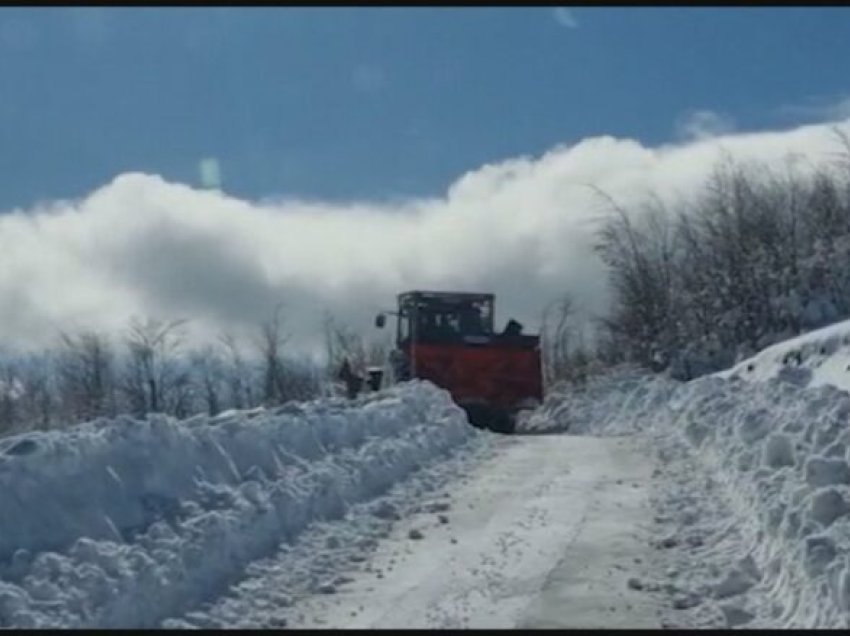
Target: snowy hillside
{"x": 126, "y": 523}
{"x": 813, "y": 359}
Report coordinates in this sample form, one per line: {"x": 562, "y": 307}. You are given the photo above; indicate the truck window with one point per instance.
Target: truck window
{"x": 403, "y": 333}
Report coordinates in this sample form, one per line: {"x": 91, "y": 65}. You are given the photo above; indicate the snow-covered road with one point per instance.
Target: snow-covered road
{"x": 720, "y": 502}
{"x": 544, "y": 533}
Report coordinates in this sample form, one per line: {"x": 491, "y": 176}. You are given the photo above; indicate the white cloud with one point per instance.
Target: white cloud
{"x": 839, "y": 110}
{"x": 703, "y": 124}
{"x": 210, "y": 172}
{"x": 522, "y": 228}
{"x": 565, "y": 17}
{"x": 819, "y": 109}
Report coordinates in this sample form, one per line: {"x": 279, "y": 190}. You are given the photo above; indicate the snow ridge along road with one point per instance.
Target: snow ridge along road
{"x": 126, "y": 523}
{"x": 751, "y": 497}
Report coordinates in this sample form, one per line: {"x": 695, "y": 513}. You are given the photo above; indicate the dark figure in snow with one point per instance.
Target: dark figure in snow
{"x": 513, "y": 328}
{"x": 353, "y": 382}
{"x": 375, "y": 375}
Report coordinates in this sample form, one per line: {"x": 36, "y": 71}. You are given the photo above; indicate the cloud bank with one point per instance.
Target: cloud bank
{"x": 704, "y": 124}
{"x": 521, "y": 228}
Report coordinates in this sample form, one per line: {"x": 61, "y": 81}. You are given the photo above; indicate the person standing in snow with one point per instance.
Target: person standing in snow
{"x": 353, "y": 382}
{"x": 513, "y": 329}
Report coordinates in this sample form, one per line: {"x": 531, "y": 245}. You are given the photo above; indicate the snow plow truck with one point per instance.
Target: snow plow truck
{"x": 449, "y": 339}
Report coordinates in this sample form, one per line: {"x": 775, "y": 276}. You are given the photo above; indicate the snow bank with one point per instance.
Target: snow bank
{"x": 605, "y": 405}
{"x": 122, "y": 523}
{"x": 814, "y": 359}
{"x": 781, "y": 455}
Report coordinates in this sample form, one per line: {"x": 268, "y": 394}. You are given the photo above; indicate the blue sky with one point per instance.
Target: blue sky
{"x": 369, "y": 151}
{"x": 348, "y": 103}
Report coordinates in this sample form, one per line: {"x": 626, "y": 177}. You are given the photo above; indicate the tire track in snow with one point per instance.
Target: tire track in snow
{"x": 515, "y": 552}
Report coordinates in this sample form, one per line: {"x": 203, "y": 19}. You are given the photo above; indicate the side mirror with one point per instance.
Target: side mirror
{"x": 380, "y": 321}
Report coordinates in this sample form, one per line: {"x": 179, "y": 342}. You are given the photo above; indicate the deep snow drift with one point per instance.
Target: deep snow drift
{"x": 125, "y": 523}
{"x": 753, "y": 488}
{"x": 813, "y": 359}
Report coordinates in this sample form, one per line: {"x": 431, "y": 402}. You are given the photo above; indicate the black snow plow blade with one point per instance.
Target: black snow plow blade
{"x": 490, "y": 418}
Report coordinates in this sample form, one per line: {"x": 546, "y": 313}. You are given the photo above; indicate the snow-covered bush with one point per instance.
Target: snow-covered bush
{"x": 753, "y": 258}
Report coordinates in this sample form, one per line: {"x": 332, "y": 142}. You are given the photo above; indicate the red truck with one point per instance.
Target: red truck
{"x": 449, "y": 339}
